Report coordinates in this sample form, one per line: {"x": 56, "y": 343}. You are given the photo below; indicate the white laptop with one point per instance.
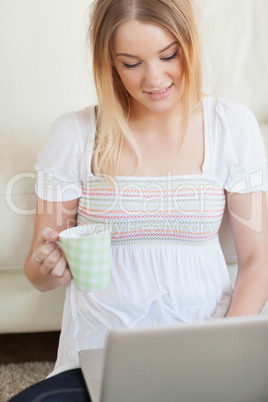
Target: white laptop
{"x": 223, "y": 360}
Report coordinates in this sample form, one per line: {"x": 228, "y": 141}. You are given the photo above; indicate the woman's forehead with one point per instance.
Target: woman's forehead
{"x": 131, "y": 35}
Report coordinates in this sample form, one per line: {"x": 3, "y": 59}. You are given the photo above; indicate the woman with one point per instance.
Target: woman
{"x": 157, "y": 160}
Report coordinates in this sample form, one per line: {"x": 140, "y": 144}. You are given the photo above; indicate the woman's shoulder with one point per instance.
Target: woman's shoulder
{"x": 229, "y": 110}
{"x": 233, "y": 121}
{"x": 236, "y": 144}
{"x": 80, "y": 122}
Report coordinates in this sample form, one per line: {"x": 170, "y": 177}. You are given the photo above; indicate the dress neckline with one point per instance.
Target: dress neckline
{"x": 204, "y": 102}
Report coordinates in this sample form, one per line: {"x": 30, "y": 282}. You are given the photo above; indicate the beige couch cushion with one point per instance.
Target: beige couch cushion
{"x": 17, "y": 198}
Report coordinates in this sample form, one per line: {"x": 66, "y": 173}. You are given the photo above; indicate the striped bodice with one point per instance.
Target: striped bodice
{"x": 172, "y": 209}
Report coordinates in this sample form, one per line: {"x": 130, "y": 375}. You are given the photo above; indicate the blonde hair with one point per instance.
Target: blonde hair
{"x": 178, "y": 17}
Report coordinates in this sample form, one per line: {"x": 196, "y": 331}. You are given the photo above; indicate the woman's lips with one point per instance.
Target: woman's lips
{"x": 160, "y": 94}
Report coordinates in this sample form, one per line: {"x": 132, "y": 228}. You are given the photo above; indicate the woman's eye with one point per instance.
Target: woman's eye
{"x": 170, "y": 57}
{"x": 131, "y": 65}
{"x": 163, "y": 59}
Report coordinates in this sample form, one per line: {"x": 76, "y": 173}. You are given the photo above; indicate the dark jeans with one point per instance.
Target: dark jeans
{"x": 64, "y": 387}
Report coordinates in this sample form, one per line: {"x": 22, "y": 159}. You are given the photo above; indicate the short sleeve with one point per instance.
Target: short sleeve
{"x": 59, "y": 170}
{"x": 244, "y": 148}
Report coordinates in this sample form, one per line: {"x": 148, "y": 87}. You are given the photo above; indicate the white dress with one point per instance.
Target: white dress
{"x": 167, "y": 266}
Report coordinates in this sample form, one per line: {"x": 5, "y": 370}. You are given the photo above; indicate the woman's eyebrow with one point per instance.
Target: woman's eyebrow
{"x": 136, "y": 57}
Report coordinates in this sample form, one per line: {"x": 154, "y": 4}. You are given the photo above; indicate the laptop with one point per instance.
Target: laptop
{"x": 222, "y": 360}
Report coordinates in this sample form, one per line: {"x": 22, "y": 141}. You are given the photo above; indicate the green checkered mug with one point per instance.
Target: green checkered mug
{"x": 87, "y": 250}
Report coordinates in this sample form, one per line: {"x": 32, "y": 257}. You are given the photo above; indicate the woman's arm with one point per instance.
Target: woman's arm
{"x": 52, "y": 270}
{"x": 249, "y": 222}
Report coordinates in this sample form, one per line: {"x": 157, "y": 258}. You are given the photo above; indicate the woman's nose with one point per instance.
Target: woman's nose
{"x": 153, "y": 76}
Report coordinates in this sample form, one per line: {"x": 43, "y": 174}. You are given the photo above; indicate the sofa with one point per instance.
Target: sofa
{"x": 45, "y": 71}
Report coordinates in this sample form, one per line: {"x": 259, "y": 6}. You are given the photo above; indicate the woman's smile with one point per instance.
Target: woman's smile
{"x": 160, "y": 94}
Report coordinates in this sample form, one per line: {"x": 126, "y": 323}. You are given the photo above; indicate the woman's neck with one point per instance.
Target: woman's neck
{"x": 148, "y": 123}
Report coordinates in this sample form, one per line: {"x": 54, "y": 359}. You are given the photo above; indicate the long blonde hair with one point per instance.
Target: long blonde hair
{"x": 178, "y": 17}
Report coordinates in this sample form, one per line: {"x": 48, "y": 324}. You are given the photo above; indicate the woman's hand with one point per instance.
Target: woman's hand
{"x": 49, "y": 257}
{"x": 46, "y": 266}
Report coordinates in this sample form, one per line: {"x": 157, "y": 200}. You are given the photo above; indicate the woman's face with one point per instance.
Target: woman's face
{"x": 148, "y": 60}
